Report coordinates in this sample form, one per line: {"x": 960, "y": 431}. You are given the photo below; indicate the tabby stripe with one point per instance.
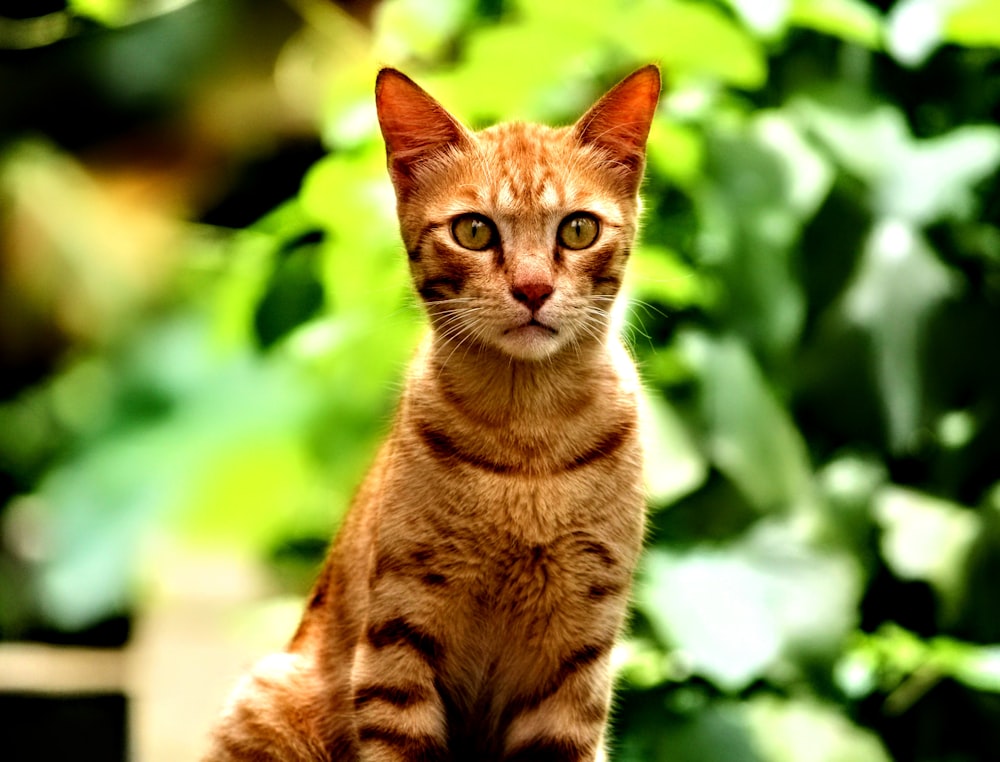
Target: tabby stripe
{"x": 431, "y": 289}
{"x": 416, "y": 252}
{"x": 414, "y": 566}
{"x": 399, "y": 631}
{"x": 597, "y": 262}
{"x": 576, "y": 661}
{"x": 600, "y": 591}
{"x": 422, "y": 748}
{"x": 398, "y": 697}
{"x": 413, "y": 562}
{"x": 547, "y": 750}
{"x": 602, "y": 551}
{"x": 444, "y": 448}
{"x": 607, "y": 446}
{"x": 608, "y": 280}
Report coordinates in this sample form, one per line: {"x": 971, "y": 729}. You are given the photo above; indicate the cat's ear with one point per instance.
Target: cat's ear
{"x": 619, "y": 122}
{"x": 414, "y": 125}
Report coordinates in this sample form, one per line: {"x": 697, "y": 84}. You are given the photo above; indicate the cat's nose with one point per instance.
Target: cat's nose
{"x": 532, "y": 294}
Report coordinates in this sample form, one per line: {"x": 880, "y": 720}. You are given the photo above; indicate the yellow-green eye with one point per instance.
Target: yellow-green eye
{"x": 473, "y": 231}
{"x": 578, "y": 231}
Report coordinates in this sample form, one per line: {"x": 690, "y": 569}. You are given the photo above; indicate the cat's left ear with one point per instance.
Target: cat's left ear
{"x": 414, "y": 125}
{"x": 619, "y": 122}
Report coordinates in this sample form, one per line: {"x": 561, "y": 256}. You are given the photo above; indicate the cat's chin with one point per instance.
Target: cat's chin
{"x": 532, "y": 341}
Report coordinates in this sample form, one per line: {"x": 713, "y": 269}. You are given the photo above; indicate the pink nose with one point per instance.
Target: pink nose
{"x": 532, "y": 294}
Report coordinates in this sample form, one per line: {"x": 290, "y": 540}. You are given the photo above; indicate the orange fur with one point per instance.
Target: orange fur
{"x": 469, "y": 605}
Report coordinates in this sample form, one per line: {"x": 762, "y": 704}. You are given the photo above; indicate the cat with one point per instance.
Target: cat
{"x": 468, "y": 607}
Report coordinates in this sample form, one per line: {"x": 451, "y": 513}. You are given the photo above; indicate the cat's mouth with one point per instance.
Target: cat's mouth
{"x": 532, "y": 325}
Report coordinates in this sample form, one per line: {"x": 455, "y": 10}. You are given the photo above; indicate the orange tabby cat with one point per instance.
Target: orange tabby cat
{"x": 468, "y": 608}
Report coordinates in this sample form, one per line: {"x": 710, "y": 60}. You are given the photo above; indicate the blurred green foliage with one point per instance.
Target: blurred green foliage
{"x": 814, "y": 305}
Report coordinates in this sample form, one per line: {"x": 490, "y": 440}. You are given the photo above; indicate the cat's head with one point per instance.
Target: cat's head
{"x": 517, "y": 235}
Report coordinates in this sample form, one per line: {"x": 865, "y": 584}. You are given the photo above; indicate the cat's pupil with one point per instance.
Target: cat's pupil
{"x": 578, "y": 231}
{"x": 472, "y": 231}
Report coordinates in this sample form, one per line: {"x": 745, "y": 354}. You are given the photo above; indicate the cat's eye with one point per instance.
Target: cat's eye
{"x": 473, "y": 231}
{"x": 578, "y": 231}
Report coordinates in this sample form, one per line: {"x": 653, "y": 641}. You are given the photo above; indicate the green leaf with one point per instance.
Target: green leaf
{"x": 546, "y": 84}
{"x": 220, "y": 456}
{"x": 692, "y": 40}
{"x": 676, "y": 150}
{"x": 901, "y": 663}
{"x": 736, "y": 611}
{"x": 748, "y": 231}
{"x": 363, "y": 264}
{"x": 750, "y": 437}
{"x": 418, "y": 28}
{"x": 659, "y": 274}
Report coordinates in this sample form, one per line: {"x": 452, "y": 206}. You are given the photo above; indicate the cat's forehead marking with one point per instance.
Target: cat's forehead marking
{"x": 528, "y": 170}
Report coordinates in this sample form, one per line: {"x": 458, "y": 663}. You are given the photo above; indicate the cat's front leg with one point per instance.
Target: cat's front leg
{"x": 563, "y": 720}
{"x": 275, "y": 713}
{"x": 399, "y": 714}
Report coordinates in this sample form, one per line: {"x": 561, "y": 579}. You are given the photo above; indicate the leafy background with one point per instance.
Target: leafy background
{"x": 205, "y": 315}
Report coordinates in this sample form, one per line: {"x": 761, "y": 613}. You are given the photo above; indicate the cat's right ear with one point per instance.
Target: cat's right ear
{"x": 618, "y": 124}
{"x": 414, "y": 125}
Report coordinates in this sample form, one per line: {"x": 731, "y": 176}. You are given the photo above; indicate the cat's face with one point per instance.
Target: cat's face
{"x": 517, "y": 235}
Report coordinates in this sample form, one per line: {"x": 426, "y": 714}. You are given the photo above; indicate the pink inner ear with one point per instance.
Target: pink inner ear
{"x": 414, "y": 125}
{"x": 619, "y": 122}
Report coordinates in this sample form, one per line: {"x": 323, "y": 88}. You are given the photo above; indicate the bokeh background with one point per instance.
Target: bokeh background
{"x": 205, "y": 315}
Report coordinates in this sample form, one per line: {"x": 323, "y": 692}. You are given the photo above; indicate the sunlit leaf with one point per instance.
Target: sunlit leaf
{"x": 674, "y": 466}
{"x": 918, "y": 180}
{"x": 974, "y": 23}
{"x": 851, "y": 20}
{"x": 701, "y": 42}
{"x": 768, "y": 18}
{"x": 546, "y": 81}
{"x": 897, "y": 287}
{"x": 808, "y": 174}
{"x": 418, "y": 28}
{"x": 734, "y": 612}
{"x": 108, "y": 12}
{"x": 926, "y": 538}
{"x": 891, "y": 659}
{"x": 917, "y": 27}
{"x": 809, "y": 731}
{"x": 914, "y": 29}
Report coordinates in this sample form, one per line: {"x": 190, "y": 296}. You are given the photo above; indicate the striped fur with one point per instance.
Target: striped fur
{"x": 468, "y": 608}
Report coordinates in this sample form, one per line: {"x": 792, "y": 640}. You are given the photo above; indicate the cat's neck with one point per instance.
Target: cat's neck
{"x": 490, "y": 385}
